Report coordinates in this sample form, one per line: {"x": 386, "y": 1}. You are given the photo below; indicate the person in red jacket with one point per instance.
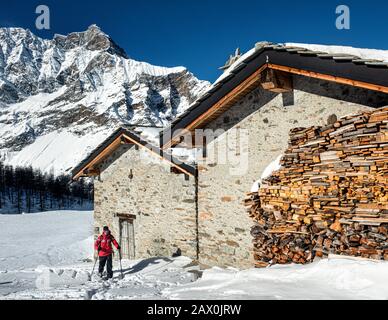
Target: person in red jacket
{"x": 103, "y": 245}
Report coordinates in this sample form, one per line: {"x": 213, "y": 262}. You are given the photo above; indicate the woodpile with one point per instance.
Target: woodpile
{"x": 330, "y": 196}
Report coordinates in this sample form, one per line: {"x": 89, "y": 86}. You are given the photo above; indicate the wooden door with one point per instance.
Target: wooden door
{"x": 127, "y": 239}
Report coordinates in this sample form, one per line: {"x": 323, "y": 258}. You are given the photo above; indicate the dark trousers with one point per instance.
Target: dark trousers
{"x": 108, "y": 261}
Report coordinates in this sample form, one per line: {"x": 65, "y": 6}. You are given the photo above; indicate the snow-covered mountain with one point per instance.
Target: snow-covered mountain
{"x": 60, "y": 98}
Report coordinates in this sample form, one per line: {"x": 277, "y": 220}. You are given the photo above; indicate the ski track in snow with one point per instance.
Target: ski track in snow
{"x": 49, "y": 256}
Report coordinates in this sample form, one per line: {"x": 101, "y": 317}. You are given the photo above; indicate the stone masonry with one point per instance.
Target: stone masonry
{"x": 224, "y": 225}
{"x": 132, "y": 181}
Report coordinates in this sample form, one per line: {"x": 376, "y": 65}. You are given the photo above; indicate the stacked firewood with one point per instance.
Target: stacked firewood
{"x": 330, "y": 196}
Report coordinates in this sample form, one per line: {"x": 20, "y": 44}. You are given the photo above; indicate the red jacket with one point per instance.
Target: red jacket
{"x": 103, "y": 245}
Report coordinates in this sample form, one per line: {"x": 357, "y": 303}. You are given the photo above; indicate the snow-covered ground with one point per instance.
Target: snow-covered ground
{"x": 48, "y": 256}
{"x": 325, "y": 279}
{"x": 49, "y": 238}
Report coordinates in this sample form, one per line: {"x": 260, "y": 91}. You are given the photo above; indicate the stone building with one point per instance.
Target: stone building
{"x": 265, "y": 93}
{"x": 147, "y": 199}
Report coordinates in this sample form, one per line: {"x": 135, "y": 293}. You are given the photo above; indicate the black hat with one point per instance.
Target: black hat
{"x": 106, "y": 228}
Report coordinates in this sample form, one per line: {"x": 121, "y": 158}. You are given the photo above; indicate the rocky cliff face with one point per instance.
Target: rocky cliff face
{"x": 59, "y": 98}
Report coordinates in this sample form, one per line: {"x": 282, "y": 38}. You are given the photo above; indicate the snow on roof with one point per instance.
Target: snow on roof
{"x": 381, "y": 55}
{"x": 370, "y": 54}
{"x": 235, "y": 64}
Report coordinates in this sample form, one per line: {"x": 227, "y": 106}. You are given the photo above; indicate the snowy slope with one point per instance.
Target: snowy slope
{"x": 79, "y": 88}
{"x": 58, "y": 151}
{"x": 50, "y": 238}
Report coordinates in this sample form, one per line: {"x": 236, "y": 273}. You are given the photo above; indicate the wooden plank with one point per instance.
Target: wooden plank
{"x": 326, "y": 77}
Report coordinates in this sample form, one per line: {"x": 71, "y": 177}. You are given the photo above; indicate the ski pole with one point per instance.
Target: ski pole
{"x": 121, "y": 268}
{"x": 95, "y": 262}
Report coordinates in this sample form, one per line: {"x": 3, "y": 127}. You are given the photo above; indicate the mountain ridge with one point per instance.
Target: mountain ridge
{"x": 76, "y": 89}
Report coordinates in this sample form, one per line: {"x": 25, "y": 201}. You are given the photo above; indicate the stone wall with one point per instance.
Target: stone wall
{"x": 224, "y": 225}
{"x": 132, "y": 181}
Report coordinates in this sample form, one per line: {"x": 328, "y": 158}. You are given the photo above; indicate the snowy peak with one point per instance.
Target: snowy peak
{"x": 78, "y": 88}
{"x": 29, "y": 64}
{"x": 92, "y": 39}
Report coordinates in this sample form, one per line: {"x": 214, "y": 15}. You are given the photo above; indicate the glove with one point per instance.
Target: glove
{"x": 118, "y": 248}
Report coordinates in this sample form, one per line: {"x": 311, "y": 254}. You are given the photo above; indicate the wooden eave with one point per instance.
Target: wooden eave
{"x": 326, "y": 77}
{"x": 86, "y": 169}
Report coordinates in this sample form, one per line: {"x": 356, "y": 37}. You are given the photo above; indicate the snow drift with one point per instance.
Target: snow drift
{"x": 325, "y": 279}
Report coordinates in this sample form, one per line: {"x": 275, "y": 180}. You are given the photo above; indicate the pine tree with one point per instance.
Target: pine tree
{"x": 27, "y": 189}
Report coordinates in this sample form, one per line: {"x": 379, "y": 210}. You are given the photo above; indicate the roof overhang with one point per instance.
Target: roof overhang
{"x": 122, "y": 136}
{"x": 246, "y": 76}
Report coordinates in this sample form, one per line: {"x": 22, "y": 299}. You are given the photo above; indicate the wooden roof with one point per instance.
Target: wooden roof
{"x": 120, "y": 136}
{"x": 344, "y": 69}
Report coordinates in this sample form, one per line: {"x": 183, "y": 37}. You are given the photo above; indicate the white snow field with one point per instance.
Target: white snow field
{"x": 50, "y": 238}
{"x": 48, "y": 256}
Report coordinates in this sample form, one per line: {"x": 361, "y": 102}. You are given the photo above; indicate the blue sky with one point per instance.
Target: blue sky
{"x": 201, "y": 34}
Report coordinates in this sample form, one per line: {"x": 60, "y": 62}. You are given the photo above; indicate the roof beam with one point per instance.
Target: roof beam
{"x": 326, "y": 77}
{"x": 276, "y": 81}
{"x": 247, "y": 84}
{"x": 91, "y": 172}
